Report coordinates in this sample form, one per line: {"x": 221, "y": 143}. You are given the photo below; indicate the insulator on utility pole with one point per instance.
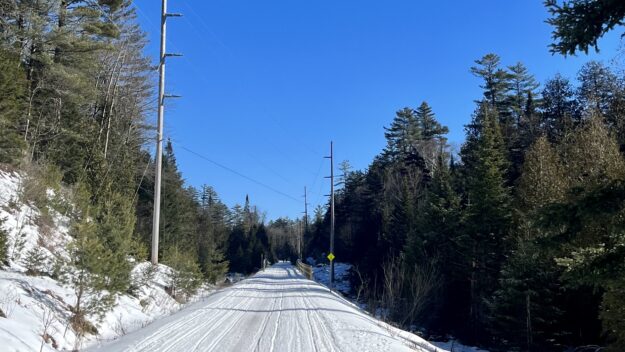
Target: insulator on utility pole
{"x": 159, "y": 128}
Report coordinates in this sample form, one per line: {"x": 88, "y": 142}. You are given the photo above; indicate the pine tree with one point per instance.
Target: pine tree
{"x": 432, "y": 245}
{"x": 185, "y": 277}
{"x": 578, "y": 24}
{"x": 35, "y": 261}
{"x": 178, "y": 210}
{"x": 429, "y": 126}
{"x": 3, "y": 243}
{"x": 212, "y": 232}
{"x": 215, "y": 265}
{"x": 598, "y": 85}
{"x": 526, "y": 307}
{"x": 402, "y": 133}
{"x": 523, "y": 85}
{"x": 560, "y": 111}
{"x": 115, "y": 224}
{"x": 12, "y": 84}
{"x": 591, "y": 242}
{"x": 592, "y": 155}
{"x": 90, "y": 268}
{"x": 487, "y": 214}
{"x": 544, "y": 181}
{"x": 496, "y": 83}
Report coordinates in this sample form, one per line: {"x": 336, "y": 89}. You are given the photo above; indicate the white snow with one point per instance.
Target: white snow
{"x": 455, "y": 346}
{"x": 275, "y": 310}
{"x": 321, "y": 273}
{"x": 38, "y": 306}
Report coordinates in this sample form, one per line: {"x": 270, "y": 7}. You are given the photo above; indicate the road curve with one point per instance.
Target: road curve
{"x": 275, "y": 310}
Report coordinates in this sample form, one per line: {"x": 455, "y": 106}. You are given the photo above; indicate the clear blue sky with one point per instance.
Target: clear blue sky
{"x": 267, "y": 84}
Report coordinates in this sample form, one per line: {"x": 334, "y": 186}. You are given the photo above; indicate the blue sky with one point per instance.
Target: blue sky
{"x": 267, "y": 84}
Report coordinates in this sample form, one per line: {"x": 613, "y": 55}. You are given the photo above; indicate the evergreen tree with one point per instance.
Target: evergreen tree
{"x": 496, "y": 83}
{"x": 178, "y": 209}
{"x": 3, "y": 243}
{"x": 559, "y": 108}
{"x": 598, "y": 85}
{"x": 487, "y": 215}
{"x": 523, "y": 85}
{"x": 592, "y": 155}
{"x": 12, "y": 84}
{"x": 402, "y": 133}
{"x": 88, "y": 270}
{"x": 212, "y": 233}
{"x": 185, "y": 277}
{"x": 433, "y": 245}
{"x": 115, "y": 224}
{"x": 590, "y": 243}
{"x": 578, "y": 24}
{"x": 527, "y": 306}
{"x": 429, "y": 126}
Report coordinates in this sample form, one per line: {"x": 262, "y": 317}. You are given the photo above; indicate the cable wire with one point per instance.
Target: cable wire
{"x": 237, "y": 173}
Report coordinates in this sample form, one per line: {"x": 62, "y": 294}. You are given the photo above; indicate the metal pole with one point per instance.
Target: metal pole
{"x": 305, "y": 210}
{"x": 332, "y": 213}
{"x": 159, "y": 129}
{"x": 299, "y": 240}
{"x": 159, "y": 137}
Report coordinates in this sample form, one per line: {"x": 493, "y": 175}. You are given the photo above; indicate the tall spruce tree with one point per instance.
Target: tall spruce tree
{"x": 178, "y": 209}
{"x": 432, "y": 244}
{"x": 527, "y": 306}
{"x": 12, "y": 88}
{"x": 487, "y": 215}
{"x": 560, "y": 110}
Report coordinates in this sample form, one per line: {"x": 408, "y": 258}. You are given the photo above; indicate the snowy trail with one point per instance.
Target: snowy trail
{"x": 275, "y": 310}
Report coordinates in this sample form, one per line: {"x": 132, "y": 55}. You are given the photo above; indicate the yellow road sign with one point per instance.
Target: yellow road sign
{"x": 331, "y": 256}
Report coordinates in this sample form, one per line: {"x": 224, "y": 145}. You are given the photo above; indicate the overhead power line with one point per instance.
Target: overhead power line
{"x": 238, "y": 173}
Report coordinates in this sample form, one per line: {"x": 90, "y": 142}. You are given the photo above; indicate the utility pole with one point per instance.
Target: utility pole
{"x": 159, "y": 131}
{"x": 305, "y": 210}
{"x": 331, "y": 177}
{"x": 303, "y": 232}
{"x": 299, "y": 240}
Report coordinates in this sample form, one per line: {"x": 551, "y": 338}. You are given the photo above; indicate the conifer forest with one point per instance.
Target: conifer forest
{"x": 513, "y": 240}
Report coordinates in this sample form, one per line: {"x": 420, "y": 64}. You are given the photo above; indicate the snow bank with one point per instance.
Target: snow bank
{"x": 37, "y": 308}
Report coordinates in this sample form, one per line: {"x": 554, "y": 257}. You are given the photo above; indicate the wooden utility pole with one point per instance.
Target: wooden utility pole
{"x": 159, "y": 130}
{"x": 305, "y": 210}
{"x": 331, "y": 177}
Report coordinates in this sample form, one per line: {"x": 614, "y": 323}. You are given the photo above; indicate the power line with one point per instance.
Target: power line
{"x": 238, "y": 173}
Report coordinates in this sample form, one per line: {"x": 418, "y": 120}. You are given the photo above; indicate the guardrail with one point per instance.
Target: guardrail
{"x": 306, "y": 269}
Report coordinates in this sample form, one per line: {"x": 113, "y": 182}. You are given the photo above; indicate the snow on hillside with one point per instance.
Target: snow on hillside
{"x": 36, "y": 309}
{"x": 321, "y": 273}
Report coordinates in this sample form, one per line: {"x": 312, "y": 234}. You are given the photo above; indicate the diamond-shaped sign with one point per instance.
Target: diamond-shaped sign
{"x": 331, "y": 256}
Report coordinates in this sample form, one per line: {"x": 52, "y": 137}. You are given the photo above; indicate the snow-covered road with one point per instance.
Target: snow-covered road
{"x": 275, "y": 310}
